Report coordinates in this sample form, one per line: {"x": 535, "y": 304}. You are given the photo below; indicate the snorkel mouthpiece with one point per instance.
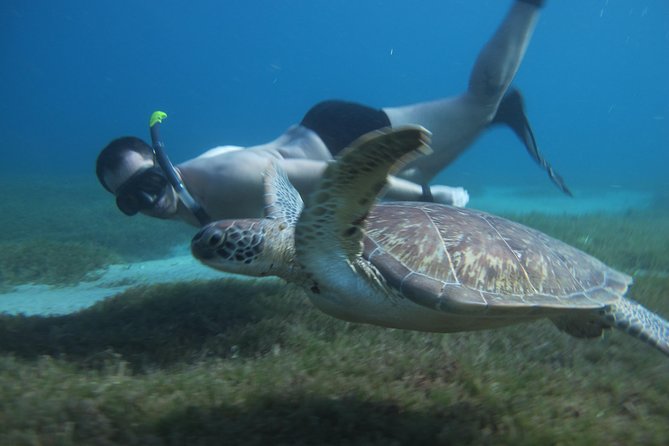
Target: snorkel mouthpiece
{"x": 170, "y": 172}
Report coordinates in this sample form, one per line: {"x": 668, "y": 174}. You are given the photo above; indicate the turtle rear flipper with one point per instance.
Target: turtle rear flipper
{"x": 581, "y": 326}
{"x": 635, "y": 320}
{"x": 625, "y": 315}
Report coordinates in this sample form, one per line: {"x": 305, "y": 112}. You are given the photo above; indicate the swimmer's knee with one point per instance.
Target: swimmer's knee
{"x": 487, "y": 89}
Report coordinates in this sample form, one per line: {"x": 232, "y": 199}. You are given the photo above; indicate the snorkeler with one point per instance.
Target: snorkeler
{"x": 227, "y": 182}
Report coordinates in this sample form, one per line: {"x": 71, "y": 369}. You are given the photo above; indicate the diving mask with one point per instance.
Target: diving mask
{"x": 142, "y": 190}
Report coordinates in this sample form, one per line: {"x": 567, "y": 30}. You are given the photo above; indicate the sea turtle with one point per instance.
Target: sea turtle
{"x": 419, "y": 266}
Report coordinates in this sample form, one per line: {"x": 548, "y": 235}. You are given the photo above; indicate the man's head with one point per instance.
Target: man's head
{"x": 126, "y": 167}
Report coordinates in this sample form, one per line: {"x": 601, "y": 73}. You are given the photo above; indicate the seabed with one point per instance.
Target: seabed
{"x": 110, "y": 333}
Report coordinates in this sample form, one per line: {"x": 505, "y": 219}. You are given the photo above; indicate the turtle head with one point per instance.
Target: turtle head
{"x": 253, "y": 247}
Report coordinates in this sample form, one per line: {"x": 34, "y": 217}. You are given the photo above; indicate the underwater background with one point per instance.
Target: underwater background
{"x": 111, "y": 334}
{"x": 75, "y": 75}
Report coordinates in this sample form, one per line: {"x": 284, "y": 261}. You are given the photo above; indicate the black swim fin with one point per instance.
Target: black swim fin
{"x": 511, "y": 112}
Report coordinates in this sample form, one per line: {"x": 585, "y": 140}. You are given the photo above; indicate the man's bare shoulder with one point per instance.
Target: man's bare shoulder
{"x": 229, "y": 158}
{"x": 237, "y": 172}
{"x": 220, "y": 150}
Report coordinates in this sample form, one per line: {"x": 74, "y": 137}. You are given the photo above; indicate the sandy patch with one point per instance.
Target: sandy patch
{"x": 31, "y": 299}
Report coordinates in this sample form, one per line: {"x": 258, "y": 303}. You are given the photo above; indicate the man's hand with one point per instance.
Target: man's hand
{"x": 455, "y": 196}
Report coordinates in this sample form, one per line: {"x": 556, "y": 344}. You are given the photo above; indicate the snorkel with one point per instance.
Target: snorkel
{"x": 170, "y": 172}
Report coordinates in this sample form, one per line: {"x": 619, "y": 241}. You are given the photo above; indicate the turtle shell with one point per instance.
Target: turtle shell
{"x": 466, "y": 261}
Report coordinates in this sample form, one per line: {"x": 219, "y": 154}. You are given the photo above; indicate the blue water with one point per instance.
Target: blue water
{"x": 75, "y": 74}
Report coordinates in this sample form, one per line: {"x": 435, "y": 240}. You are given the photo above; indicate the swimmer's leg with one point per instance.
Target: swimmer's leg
{"x": 500, "y": 58}
{"x": 456, "y": 122}
{"x": 511, "y": 112}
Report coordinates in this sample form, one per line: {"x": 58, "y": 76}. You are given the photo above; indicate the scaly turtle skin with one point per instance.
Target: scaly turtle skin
{"x": 419, "y": 266}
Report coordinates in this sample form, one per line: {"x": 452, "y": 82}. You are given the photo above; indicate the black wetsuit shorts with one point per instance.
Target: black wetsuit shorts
{"x": 339, "y": 123}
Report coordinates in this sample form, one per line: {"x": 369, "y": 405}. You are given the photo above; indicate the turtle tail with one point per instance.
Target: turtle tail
{"x": 637, "y": 321}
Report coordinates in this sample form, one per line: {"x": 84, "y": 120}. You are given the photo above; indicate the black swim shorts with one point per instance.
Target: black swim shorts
{"x": 339, "y": 123}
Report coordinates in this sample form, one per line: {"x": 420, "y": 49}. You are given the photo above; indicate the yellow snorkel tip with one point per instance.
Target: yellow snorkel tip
{"x": 157, "y": 117}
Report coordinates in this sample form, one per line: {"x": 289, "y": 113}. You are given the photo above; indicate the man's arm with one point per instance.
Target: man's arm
{"x": 404, "y": 190}
{"x": 304, "y": 175}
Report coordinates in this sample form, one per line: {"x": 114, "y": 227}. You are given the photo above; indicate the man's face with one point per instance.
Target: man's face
{"x": 141, "y": 186}
{"x": 132, "y": 163}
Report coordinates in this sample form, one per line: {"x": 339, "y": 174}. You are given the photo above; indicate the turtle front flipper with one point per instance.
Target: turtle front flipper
{"x": 282, "y": 201}
{"x": 330, "y": 222}
{"x": 635, "y": 320}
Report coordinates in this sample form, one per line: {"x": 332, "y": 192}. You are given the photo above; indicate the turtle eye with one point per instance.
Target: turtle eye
{"x": 215, "y": 239}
